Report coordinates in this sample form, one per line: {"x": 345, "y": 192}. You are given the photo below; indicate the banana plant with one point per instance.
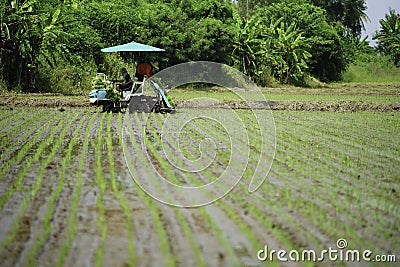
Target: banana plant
{"x": 389, "y": 36}
{"x": 28, "y": 37}
{"x": 276, "y": 49}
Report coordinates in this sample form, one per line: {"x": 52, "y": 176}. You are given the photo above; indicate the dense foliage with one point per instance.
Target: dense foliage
{"x": 389, "y": 36}
{"x": 54, "y": 45}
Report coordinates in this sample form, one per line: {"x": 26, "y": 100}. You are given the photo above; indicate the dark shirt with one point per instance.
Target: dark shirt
{"x": 126, "y": 86}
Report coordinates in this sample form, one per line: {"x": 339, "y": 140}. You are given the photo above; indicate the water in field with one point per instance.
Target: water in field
{"x": 103, "y": 188}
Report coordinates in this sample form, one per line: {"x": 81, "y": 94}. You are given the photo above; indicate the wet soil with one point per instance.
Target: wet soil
{"x": 61, "y": 102}
{"x": 126, "y": 227}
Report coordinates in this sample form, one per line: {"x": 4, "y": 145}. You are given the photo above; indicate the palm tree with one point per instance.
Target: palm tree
{"x": 351, "y": 13}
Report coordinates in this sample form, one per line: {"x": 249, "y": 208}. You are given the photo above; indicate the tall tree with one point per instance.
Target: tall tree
{"x": 351, "y": 13}
{"x": 388, "y": 36}
{"x": 327, "y": 45}
{"x": 28, "y": 36}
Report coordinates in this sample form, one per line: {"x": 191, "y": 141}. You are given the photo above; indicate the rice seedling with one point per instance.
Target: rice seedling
{"x": 50, "y": 209}
{"x": 72, "y": 220}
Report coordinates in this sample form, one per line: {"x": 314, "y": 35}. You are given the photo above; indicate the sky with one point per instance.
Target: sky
{"x": 376, "y": 10}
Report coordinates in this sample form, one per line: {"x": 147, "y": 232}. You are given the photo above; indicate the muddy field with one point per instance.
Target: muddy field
{"x": 346, "y": 97}
{"x": 83, "y": 188}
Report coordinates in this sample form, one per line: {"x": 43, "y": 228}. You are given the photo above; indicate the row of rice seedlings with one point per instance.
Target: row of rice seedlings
{"x": 284, "y": 204}
{"x": 11, "y": 117}
{"x": 72, "y": 219}
{"x": 352, "y": 166}
{"x": 23, "y": 151}
{"x": 26, "y": 200}
{"x": 15, "y": 125}
{"x": 359, "y": 126}
{"x": 169, "y": 258}
{"x": 359, "y": 135}
{"x": 254, "y": 210}
{"x": 185, "y": 227}
{"x": 122, "y": 201}
{"x": 296, "y": 176}
{"x": 101, "y": 182}
{"x": 31, "y": 123}
{"x": 257, "y": 205}
{"x": 375, "y": 194}
{"x": 52, "y": 202}
{"x": 253, "y": 239}
{"x": 35, "y": 158}
{"x": 322, "y": 198}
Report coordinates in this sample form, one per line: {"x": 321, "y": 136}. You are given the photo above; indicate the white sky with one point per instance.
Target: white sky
{"x": 376, "y": 11}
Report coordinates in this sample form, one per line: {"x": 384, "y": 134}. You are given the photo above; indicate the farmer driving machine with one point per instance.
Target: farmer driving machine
{"x": 143, "y": 96}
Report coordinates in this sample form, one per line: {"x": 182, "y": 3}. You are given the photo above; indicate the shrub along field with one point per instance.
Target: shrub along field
{"x": 68, "y": 197}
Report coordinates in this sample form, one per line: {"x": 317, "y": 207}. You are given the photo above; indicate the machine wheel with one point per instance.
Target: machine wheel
{"x": 156, "y": 108}
{"x": 116, "y": 109}
{"x": 108, "y": 107}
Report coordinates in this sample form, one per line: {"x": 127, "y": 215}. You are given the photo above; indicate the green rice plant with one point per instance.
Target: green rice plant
{"x": 122, "y": 201}
{"x": 27, "y": 146}
{"x": 16, "y": 118}
{"x": 31, "y": 122}
{"x": 35, "y": 158}
{"x": 169, "y": 259}
{"x": 72, "y": 220}
{"x": 102, "y": 187}
{"x": 11, "y": 236}
{"x": 52, "y": 202}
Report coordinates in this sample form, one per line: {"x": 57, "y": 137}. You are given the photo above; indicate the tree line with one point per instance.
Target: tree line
{"x": 269, "y": 40}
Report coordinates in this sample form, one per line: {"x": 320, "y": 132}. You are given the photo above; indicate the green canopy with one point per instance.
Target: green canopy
{"x": 132, "y": 47}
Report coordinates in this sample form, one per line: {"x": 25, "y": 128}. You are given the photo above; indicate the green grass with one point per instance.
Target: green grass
{"x": 334, "y": 98}
{"x": 372, "y": 73}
